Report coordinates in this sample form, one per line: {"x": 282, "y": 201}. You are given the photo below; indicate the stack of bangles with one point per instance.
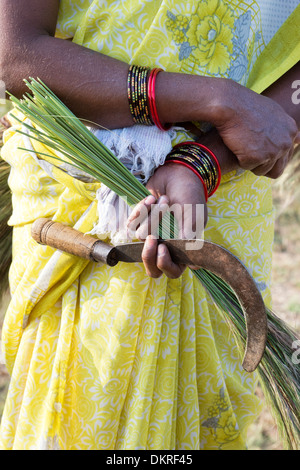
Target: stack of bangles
{"x": 197, "y": 157}
{"x": 201, "y": 161}
{"x": 141, "y": 96}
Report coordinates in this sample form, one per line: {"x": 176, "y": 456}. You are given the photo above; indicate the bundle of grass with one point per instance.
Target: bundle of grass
{"x": 53, "y": 124}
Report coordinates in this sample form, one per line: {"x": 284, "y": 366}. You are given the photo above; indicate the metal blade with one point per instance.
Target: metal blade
{"x": 226, "y": 266}
{"x": 203, "y": 254}
{"x": 181, "y": 251}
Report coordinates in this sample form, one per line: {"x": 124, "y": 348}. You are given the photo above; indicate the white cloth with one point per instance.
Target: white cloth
{"x": 141, "y": 149}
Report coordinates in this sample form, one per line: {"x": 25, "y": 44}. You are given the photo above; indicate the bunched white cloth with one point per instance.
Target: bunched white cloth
{"x": 141, "y": 149}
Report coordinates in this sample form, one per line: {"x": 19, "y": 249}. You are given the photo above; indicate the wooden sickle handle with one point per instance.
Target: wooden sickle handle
{"x": 65, "y": 238}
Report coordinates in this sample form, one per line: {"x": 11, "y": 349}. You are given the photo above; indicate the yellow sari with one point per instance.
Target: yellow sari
{"x": 107, "y": 358}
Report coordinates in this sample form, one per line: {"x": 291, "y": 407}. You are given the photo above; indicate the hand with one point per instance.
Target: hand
{"x": 176, "y": 188}
{"x": 256, "y": 129}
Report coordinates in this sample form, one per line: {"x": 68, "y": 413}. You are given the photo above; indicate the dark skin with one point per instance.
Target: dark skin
{"x": 252, "y": 131}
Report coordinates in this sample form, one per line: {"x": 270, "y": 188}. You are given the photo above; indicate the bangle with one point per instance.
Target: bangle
{"x": 137, "y": 95}
{"x": 201, "y": 160}
{"x": 141, "y": 96}
{"x": 205, "y": 156}
{"x": 152, "y": 101}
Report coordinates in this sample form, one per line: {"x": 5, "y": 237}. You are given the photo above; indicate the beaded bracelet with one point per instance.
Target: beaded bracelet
{"x": 203, "y": 157}
{"x": 152, "y": 100}
{"x": 201, "y": 161}
{"x": 141, "y": 96}
{"x": 137, "y": 90}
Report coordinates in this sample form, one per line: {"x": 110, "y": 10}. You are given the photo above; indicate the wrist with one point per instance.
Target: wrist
{"x": 201, "y": 161}
{"x": 227, "y": 160}
{"x": 182, "y": 98}
{"x": 223, "y": 104}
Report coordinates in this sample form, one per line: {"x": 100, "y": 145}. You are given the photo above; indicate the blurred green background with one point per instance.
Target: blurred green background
{"x": 4, "y": 107}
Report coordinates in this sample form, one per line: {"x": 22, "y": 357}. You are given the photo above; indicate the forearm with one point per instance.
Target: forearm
{"x": 282, "y": 92}
{"x": 94, "y": 86}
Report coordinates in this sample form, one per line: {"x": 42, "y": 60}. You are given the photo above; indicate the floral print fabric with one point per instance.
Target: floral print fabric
{"x": 209, "y": 35}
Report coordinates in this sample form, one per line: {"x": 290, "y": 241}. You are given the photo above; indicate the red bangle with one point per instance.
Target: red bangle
{"x": 213, "y": 157}
{"x": 152, "y": 103}
{"x": 181, "y": 162}
{"x": 217, "y": 164}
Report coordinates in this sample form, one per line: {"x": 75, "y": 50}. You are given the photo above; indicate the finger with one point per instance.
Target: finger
{"x": 192, "y": 221}
{"x": 140, "y": 212}
{"x": 166, "y": 265}
{"x": 297, "y": 140}
{"x": 149, "y": 256}
{"x": 150, "y": 225}
{"x": 262, "y": 170}
{"x": 279, "y": 167}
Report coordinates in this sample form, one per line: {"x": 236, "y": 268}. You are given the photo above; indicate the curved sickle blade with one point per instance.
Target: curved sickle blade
{"x": 203, "y": 254}
{"x": 226, "y": 266}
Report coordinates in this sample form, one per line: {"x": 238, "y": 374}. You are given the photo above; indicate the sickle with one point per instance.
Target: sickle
{"x": 200, "y": 253}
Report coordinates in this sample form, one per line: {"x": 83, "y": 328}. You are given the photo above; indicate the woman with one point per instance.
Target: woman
{"x": 137, "y": 357}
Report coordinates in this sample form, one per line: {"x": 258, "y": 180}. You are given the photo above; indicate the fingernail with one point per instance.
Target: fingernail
{"x": 161, "y": 250}
{"x": 163, "y": 200}
{"x": 151, "y": 237}
{"x": 149, "y": 240}
{"x": 150, "y": 199}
